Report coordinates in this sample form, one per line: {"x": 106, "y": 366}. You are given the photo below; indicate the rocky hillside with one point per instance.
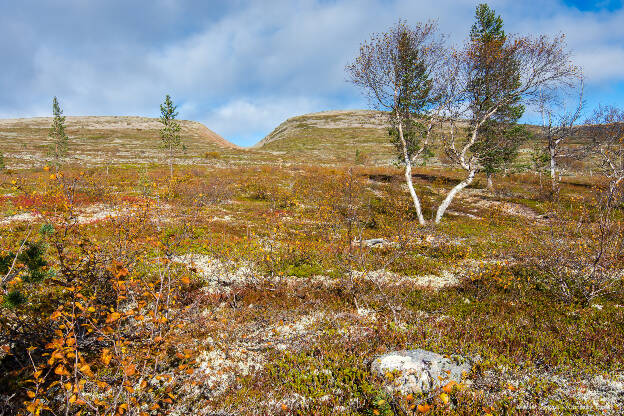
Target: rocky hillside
{"x": 101, "y": 140}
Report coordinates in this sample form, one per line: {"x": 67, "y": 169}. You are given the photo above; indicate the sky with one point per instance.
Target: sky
{"x": 241, "y": 67}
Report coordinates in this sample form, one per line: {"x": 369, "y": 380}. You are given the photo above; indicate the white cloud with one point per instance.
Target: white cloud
{"x": 248, "y": 121}
{"x": 244, "y": 68}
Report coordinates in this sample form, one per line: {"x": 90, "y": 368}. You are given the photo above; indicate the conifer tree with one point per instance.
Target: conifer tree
{"x": 60, "y": 141}
{"x": 170, "y": 133}
{"x": 28, "y": 264}
{"x": 500, "y": 136}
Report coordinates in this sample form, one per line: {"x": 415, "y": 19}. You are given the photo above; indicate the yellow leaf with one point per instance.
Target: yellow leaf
{"x": 72, "y": 399}
{"x": 86, "y": 369}
{"x": 113, "y": 317}
{"x": 106, "y": 356}
{"x": 61, "y": 371}
{"x": 449, "y": 386}
{"x": 130, "y": 370}
{"x": 444, "y": 397}
{"x": 31, "y": 394}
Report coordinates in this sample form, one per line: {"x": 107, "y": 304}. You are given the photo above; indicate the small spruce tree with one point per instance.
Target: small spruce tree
{"x": 2, "y": 164}
{"x": 60, "y": 141}
{"x": 170, "y": 133}
{"x": 500, "y": 136}
{"x": 28, "y": 264}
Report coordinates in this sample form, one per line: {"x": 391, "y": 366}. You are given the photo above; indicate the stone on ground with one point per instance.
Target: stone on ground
{"x": 420, "y": 371}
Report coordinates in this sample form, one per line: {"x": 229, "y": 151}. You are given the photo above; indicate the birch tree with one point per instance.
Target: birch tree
{"x": 606, "y": 127}
{"x": 558, "y": 125}
{"x": 170, "y": 133}
{"x": 396, "y": 71}
{"x": 540, "y": 63}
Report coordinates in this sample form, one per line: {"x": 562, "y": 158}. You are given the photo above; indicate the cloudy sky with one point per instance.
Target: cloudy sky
{"x": 242, "y": 67}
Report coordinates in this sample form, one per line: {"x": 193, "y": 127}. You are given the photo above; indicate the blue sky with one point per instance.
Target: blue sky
{"x": 241, "y": 66}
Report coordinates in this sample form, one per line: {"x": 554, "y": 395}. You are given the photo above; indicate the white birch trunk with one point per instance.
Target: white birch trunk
{"x": 449, "y": 198}
{"x": 553, "y": 168}
{"x": 408, "y": 176}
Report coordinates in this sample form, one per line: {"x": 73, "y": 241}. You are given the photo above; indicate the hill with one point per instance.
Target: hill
{"x": 332, "y": 137}
{"x": 361, "y": 137}
{"x": 102, "y": 139}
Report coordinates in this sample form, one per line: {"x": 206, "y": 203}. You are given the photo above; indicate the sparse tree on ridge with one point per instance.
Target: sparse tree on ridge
{"x": 60, "y": 142}
{"x": 395, "y": 70}
{"x": 170, "y": 133}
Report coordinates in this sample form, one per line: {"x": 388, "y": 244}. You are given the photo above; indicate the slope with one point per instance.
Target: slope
{"x": 96, "y": 140}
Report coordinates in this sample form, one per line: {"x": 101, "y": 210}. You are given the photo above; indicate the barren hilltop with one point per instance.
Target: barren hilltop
{"x": 100, "y": 139}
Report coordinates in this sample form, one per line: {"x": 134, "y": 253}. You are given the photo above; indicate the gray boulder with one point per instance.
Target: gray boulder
{"x": 420, "y": 371}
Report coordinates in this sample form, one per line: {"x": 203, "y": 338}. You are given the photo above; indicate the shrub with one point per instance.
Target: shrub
{"x": 212, "y": 155}
{"x": 581, "y": 258}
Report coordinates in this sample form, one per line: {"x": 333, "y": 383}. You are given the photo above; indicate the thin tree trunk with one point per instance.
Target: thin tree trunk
{"x": 449, "y": 198}
{"x": 490, "y": 184}
{"x": 171, "y": 162}
{"x": 408, "y": 175}
{"x": 553, "y": 170}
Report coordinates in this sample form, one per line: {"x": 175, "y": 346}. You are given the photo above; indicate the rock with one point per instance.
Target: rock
{"x": 380, "y": 242}
{"x": 375, "y": 242}
{"x": 420, "y": 371}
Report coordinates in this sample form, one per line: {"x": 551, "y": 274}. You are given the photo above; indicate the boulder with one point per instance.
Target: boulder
{"x": 420, "y": 371}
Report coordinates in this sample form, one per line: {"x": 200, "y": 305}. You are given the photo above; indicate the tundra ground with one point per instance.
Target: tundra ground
{"x": 276, "y": 304}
